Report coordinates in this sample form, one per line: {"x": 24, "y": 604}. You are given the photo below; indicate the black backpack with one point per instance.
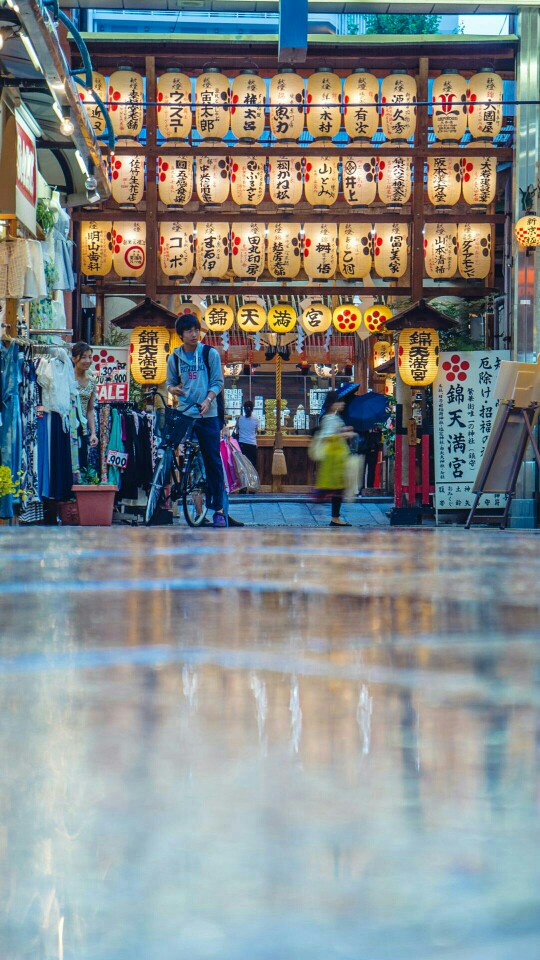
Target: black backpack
{"x": 220, "y": 401}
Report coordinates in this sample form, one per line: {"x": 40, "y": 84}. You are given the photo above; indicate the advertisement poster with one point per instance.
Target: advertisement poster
{"x": 111, "y": 367}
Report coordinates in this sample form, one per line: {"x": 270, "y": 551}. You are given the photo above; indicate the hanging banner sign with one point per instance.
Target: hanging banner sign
{"x": 463, "y": 413}
{"x": 111, "y": 367}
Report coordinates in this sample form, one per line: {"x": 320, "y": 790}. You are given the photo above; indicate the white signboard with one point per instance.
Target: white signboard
{"x": 463, "y": 412}
{"x": 111, "y": 367}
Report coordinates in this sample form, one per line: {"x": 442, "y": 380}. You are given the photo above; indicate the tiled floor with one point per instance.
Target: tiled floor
{"x": 280, "y": 513}
{"x": 269, "y": 744}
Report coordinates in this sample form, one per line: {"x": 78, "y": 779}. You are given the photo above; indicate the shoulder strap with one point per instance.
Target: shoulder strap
{"x": 177, "y": 361}
{"x": 206, "y": 356}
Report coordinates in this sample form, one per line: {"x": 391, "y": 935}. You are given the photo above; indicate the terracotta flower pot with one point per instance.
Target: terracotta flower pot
{"x": 95, "y": 503}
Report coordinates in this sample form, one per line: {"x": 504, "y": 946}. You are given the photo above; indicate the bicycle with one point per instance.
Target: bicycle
{"x": 187, "y": 481}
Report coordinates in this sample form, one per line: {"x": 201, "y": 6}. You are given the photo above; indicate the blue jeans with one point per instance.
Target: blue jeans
{"x": 208, "y": 434}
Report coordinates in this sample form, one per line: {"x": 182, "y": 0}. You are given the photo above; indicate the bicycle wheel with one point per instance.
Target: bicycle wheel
{"x": 161, "y": 478}
{"x": 194, "y": 492}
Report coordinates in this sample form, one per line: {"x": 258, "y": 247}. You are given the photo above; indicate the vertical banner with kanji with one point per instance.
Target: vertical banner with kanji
{"x": 463, "y": 414}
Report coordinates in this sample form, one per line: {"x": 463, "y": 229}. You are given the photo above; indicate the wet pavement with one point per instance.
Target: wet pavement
{"x": 269, "y": 744}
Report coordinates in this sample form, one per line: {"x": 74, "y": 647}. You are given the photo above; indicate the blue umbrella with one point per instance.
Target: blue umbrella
{"x": 363, "y": 412}
{"x": 346, "y": 390}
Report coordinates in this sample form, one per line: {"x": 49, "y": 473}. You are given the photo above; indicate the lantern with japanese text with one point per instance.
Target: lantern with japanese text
{"x": 383, "y": 351}
{"x": 212, "y": 104}
{"x": 251, "y": 317}
{"x": 440, "y": 250}
{"x": 361, "y": 96}
{"x": 347, "y": 318}
{"x": 395, "y": 180}
{"x": 148, "y": 354}
{"x": 282, "y": 318}
{"x": 95, "y": 113}
{"x": 174, "y": 105}
{"x": 129, "y": 248}
{"x": 527, "y": 231}
{"x": 390, "y": 248}
{"x": 175, "y": 180}
{"x": 449, "y": 107}
{"x": 248, "y": 181}
{"x": 176, "y": 248}
{"x": 418, "y": 356}
{"x": 96, "y": 247}
{"x": 320, "y": 250}
{"x": 323, "y": 98}
{"x": 376, "y": 316}
{"x": 389, "y": 386}
{"x": 287, "y": 105}
{"x": 212, "y": 180}
{"x": 247, "y": 250}
{"x": 479, "y": 181}
{"x": 359, "y": 176}
{"x": 285, "y": 181}
{"x": 485, "y": 93}
{"x": 444, "y": 181}
{"x": 355, "y": 250}
{"x": 127, "y": 176}
{"x": 321, "y": 181}
{"x": 219, "y": 317}
{"x": 398, "y": 113}
{"x": 284, "y": 246}
{"x": 212, "y": 249}
{"x": 248, "y": 94}
{"x": 126, "y": 98}
{"x": 474, "y": 250}
{"x": 317, "y": 318}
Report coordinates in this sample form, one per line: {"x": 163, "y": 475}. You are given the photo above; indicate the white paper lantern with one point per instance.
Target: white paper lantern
{"x": 126, "y": 97}
{"x": 96, "y": 247}
{"x": 440, "y": 250}
{"x": 449, "y": 107}
{"x": 287, "y": 105}
{"x": 315, "y": 318}
{"x": 284, "y": 246}
{"x": 247, "y": 250}
{"x": 390, "y": 248}
{"x": 361, "y": 94}
{"x": 398, "y": 113}
{"x": 248, "y": 94}
{"x": 320, "y": 250}
{"x": 248, "y": 183}
{"x": 359, "y": 175}
{"x": 174, "y": 105}
{"x": 127, "y": 176}
{"x": 395, "y": 180}
{"x": 175, "y": 180}
{"x": 129, "y": 248}
{"x": 474, "y": 250}
{"x": 212, "y": 180}
{"x": 95, "y": 113}
{"x": 444, "y": 181}
{"x": 285, "y": 181}
{"x": 485, "y": 113}
{"x": 212, "y": 94}
{"x": 321, "y": 180}
{"x": 212, "y": 249}
{"x": 355, "y": 250}
{"x": 323, "y": 98}
{"x": 176, "y": 248}
{"x": 479, "y": 179}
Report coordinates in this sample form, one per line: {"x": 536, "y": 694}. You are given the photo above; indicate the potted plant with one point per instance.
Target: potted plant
{"x": 8, "y": 487}
{"x": 95, "y": 500}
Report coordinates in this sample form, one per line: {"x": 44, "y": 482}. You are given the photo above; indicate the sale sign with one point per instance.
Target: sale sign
{"x": 111, "y": 367}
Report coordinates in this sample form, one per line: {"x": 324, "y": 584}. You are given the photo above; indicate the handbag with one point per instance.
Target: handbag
{"x": 352, "y": 476}
{"x": 247, "y": 474}
{"x": 232, "y": 479}
{"x": 317, "y": 447}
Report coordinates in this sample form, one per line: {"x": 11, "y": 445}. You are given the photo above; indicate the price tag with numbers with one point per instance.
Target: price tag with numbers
{"x": 117, "y": 459}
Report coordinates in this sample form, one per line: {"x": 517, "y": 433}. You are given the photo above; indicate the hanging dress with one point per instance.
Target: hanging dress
{"x": 11, "y": 426}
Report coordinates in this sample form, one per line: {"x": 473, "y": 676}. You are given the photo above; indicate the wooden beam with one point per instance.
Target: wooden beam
{"x": 151, "y": 182}
{"x": 417, "y": 246}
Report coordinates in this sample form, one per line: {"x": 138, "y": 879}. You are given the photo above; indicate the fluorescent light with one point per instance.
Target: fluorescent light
{"x": 82, "y": 164}
{"x": 30, "y": 51}
{"x": 30, "y": 120}
{"x": 58, "y": 85}
{"x": 57, "y": 110}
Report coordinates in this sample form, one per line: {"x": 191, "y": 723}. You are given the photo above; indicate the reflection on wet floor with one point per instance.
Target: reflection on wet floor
{"x": 269, "y": 745}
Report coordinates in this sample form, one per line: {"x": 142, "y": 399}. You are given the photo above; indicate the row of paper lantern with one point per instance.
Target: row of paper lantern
{"x": 239, "y": 106}
{"x": 322, "y": 249}
{"x": 244, "y": 179}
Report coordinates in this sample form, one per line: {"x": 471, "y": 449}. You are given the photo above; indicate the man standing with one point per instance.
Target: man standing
{"x": 194, "y": 375}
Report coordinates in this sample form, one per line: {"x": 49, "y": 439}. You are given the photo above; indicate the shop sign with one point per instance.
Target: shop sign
{"x": 25, "y": 173}
{"x": 112, "y": 371}
{"x": 464, "y": 410}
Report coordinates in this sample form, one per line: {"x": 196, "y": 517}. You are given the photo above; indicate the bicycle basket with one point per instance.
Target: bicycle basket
{"x": 167, "y": 421}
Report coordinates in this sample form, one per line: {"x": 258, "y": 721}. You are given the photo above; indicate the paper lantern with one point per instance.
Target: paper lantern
{"x": 444, "y": 181}
{"x": 127, "y": 176}
{"x": 219, "y": 317}
{"x": 395, "y": 180}
{"x": 485, "y": 114}
{"x": 323, "y": 98}
{"x": 418, "y": 356}
{"x": 321, "y": 181}
{"x": 359, "y": 175}
{"x": 287, "y": 105}
{"x": 247, "y": 249}
{"x": 347, "y": 318}
{"x": 449, "y": 108}
{"x": 129, "y": 248}
{"x": 248, "y": 94}
{"x": 176, "y": 248}
{"x": 212, "y": 180}
{"x": 361, "y": 94}
{"x": 479, "y": 181}
{"x": 527, "y": 231}
{"x": 126, "y": 98}
{"x": 389, "y": 386}
{"x": 355, "y": 250}
{"x": 383, "y": 351}
{"x": 282, "y": 318}
{"x": 95, "y": 113}
{"x": 212, "y": 249}
{"x": 284, "y": 250}
{"x": 285, "y": 181}
{"x": 317, "y": 318}
{"x": 474, "y": 250}
{"x": 248, "y": 181}
{"x": 398, "y": 113}
{"x": 96, "y": 247}
{"x": 440, "y": 250}
{"x": 251, "y": 317}
{"x": 390, "y": 248}
{"x": 376, "y": 316}
{"x": 320, "y": 250}
{"x": 212, "y": 98}
{"x": 174, "y": 105}
{"x": 148, "y": 354}
{"x": 175, "y": 180}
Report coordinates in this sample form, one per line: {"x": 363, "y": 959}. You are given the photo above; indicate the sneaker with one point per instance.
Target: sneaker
{"x": 219, "y": 520}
